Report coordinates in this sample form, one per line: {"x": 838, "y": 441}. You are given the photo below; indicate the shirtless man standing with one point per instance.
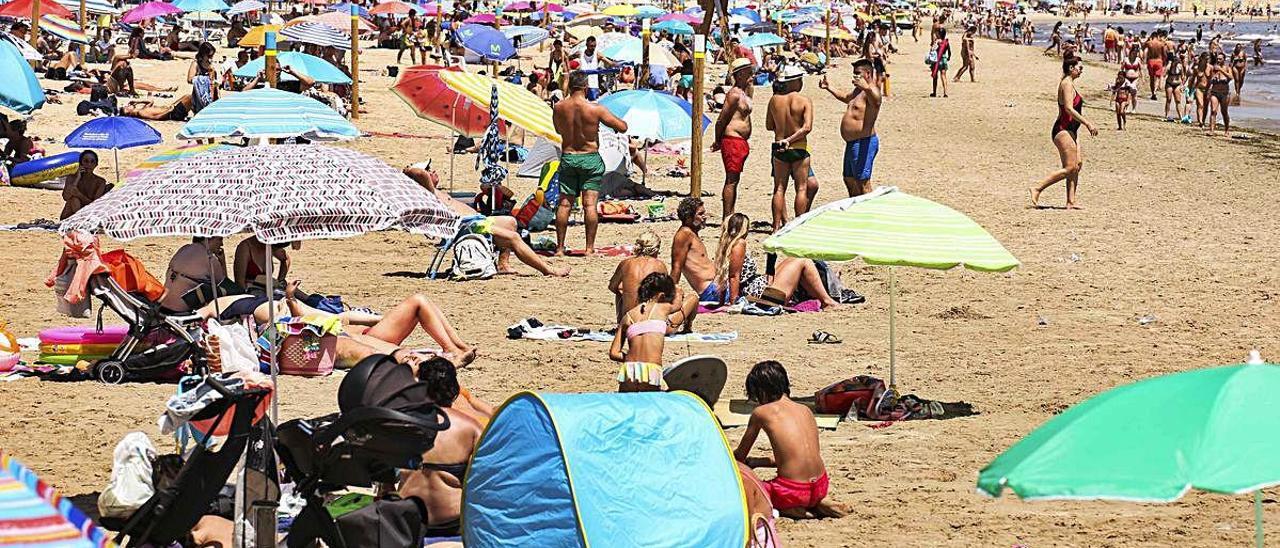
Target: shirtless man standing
{"x": 689, "y": 254}
{"x": 1156, "y": 49}
{"x": 733, "y": 132}
{"x": 858, "y": 126}
{"x": 790, "y": 118}
{"x": 578, "y": 120}
{"x": 84, "y": 186}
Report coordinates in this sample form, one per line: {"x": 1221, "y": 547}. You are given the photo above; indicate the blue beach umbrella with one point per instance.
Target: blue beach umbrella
{"x": 649, "y": 12}
{"x": 200, "y": 5}
{"x": 652, "y": 114}
{"x": 19, "y": 89}
{"x": 268, "y": 113}
{"x": 746, "y": 12}
{"x": 318, "y": 69}
{"x": 345, "y": 7}
{"x": 764, "y": 39}
{"x": 674, "y": 27}
{"x": 115, "y": 133}
{"x": 486, "y": 42}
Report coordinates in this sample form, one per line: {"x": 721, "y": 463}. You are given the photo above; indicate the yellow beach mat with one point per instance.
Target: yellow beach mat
{"x": 736, "y": 413}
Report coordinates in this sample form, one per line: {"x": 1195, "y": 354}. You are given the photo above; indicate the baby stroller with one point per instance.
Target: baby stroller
{"x": 181, "y": 335}
{"x": 385, "y": 423}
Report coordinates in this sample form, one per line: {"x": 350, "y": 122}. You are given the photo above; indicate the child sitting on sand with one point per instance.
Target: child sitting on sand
{"x": 801, "y": 483}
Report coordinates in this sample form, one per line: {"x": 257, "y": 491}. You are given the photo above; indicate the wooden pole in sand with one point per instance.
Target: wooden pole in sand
{"x": 269, "y": 41}
{"x": 84, "y": 13}
{"x": 355, "y": 62}
{"x": 643, "y": 74}
{"x": 826, "y": 48}
{"x": 695, "y": 147}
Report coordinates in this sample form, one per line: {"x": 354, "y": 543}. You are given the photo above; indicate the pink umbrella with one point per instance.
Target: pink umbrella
{"x": 485, "y": 19}
{"x": 149, "y": 10}
{"x": 394, "y": 7}
{"x": 518, "y": 7}
{"x": 682, "y": 17}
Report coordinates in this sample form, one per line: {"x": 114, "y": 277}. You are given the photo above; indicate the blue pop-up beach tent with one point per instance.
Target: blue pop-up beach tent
{"x": 604, "y": 470}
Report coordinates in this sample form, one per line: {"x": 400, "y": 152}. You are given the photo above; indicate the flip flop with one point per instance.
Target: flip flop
{"x": 822, "y": 337}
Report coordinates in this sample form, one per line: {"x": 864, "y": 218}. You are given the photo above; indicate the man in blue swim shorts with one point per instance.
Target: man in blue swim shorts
{"x": 858, "y": 125}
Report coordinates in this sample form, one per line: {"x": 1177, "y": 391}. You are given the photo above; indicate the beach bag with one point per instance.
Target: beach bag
{"x": 931, "y": 58}
{"x": 325, "y": 303}
{"x": 235, "y": 347}
{"x": 307, "y": 355}
{"x": 473, "y": 258}
{"x": 130, "y": 484}
{"x": 132, "y": 275}
{"x": 860, "y": 396}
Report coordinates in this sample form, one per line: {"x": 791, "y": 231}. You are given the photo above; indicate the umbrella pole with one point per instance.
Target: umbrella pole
{"x": 893, "y": 343}
{"x": 116, "y": 152}
{"x": 1257, "y": 518}
{"x": 271, "y": 331}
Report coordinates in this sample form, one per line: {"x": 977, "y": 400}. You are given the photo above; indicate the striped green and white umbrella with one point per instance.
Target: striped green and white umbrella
{"x": 890, "y": 227}
{"x": 271, "y": 114}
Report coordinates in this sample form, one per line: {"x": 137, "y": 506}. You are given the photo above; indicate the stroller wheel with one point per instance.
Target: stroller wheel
{"x": 109, "y": 372}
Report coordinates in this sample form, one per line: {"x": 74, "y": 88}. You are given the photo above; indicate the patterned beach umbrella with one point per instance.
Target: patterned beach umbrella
{"x": 246, "y": 6}
{"x": 29, "y": 53}
{"x": 281, "y": 193}
{"x": 489, "y": 159}
{"x": 518, "y": 105}
{"x": 63, "y": 28}
{"x": 172, "y": 155}
{"x": 423, "y": 90}
{"x": 34, "y": 515}
{"x": 892, "y": 228}
{"x": 268, "y": 113}
{"x": 319, "y": 34}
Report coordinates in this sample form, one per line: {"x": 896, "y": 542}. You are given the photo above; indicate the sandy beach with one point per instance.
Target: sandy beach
{"x": 1177, "y": 225}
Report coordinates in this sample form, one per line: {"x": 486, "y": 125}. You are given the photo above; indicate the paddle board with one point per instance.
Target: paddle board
{"x": 704, "y": 376}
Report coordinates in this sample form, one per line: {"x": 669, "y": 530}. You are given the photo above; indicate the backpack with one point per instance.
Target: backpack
{"x": 861, "y": 396}
{"x": 473, "y": 259}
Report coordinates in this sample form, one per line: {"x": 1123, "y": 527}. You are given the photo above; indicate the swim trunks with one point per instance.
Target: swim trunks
{"x": 734, "y": 151}
{"x": 790, "y": 155}
{"x": 713, "y": 294}
{"x": 1155, "y": 67}
{"x": 860, "y": 157}
{"x": 686, "y": 81}
{"x": 786, "y": 494}
{"x": 580, "y": 172}
{"x": 484, "y": 227}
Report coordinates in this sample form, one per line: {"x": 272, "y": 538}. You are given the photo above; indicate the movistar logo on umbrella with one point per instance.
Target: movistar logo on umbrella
{"x": 495, "y": 49}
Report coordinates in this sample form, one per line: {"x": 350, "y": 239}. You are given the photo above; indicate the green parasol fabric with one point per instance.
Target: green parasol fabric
{"x": 893, "y": 228}
{"x": 1152, "y": 441}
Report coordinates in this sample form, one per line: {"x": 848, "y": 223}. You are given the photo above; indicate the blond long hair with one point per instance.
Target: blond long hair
{"x": 733, "y": 231}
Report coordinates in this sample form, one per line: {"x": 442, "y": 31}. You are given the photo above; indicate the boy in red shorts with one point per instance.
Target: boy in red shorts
{"x": 801, "y": 485}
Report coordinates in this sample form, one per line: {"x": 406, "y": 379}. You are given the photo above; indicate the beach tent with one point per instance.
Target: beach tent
{"x": 616, "y": 470}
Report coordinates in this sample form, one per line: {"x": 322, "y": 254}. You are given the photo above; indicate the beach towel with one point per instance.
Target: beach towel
{"x": 534, "y": 330}
{"x": 82, "y": 249}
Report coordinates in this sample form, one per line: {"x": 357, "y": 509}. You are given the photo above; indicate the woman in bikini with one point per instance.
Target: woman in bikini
{"x": 148, "y": 110}
{"x": 1132, "y": 68}
{"x": 248, "y": 270}
{"x": 1200, "y": 80}
{"x": 643, "y": 331}
{"x": 202, "y": 78}
{"x": 1175, "y": 77}
{"x": 736, "y": 270}
{"x": 1219, "y": 92}
{"x": 368, "y": 334}
{"x": 1239, "y": 65}
{"x": 437, "y": 483}
{"x": 1064, "y": 134}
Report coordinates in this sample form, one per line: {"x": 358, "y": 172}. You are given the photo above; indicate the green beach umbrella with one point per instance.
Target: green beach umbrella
{"x": 892, "y": 228}
{"x": 1154, "y": 440}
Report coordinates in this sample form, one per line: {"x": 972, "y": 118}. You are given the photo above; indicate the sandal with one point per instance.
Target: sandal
{"x": 822, "y": 337}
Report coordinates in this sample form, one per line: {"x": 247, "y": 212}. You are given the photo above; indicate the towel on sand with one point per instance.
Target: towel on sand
{"x": 534, "y": 330}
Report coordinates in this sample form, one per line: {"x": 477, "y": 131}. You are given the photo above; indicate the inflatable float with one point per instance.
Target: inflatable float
{"x": 112, "y": 335}
{"x": 36, "y": 173}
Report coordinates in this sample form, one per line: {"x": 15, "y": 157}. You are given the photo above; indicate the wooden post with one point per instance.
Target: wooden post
{"x": 270, "y": 42}
{"x": 355, "y": 62}
{"x": 643, "y": 73}
{"x": 695, "y": 147}
{"x": 83, "y": 15}
{"x": 444, "y": 55}
{"x": 826, "y": 49}
{"x": 730, "y": 55}
{"x": 34, "y": 33}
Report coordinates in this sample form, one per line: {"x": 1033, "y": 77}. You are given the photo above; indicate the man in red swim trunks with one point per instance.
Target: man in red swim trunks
{"x": 733, "y": 131}
{"x": 1156, "y": 48}
{"x": 801, "y": 485}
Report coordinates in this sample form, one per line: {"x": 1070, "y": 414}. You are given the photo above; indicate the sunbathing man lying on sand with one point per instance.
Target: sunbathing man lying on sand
{"x": 801, "y": 483}
{"x": 381, "y": 334}
{"x": 501, "y": 227}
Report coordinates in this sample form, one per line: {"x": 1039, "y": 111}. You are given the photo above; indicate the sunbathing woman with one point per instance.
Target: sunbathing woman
{"x": 381, "y": 334}
{"x": 438, "y": 482}
{"x": 147, "y": 110}
{"x": 737, "y": 270}
{"x": 501, "y": 227}
{"x": 644, "y": 329}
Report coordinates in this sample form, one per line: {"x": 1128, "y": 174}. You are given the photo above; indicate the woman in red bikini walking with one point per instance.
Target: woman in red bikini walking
{"x": 1065, "y": 136}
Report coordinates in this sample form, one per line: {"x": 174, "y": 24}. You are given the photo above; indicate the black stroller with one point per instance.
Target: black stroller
{"x": 385, "y": 424}
{"x": 130, "y": 362}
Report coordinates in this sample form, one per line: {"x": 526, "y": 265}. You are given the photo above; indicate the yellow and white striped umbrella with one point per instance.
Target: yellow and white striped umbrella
{"x": 621, "y": 10}
{"x": 515, "y": 104}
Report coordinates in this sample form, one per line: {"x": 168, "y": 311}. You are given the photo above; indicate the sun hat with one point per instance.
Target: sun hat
{"x": 790, "y": 73}
{"x": 739, "y": 64}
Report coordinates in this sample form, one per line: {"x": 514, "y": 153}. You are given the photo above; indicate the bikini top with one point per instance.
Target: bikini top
{"x": 646, "y": 327}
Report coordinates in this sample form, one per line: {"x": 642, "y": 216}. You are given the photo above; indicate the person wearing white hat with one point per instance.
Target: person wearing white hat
{"x": 790, "y": 118}
{"x": 733, "y": 131}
